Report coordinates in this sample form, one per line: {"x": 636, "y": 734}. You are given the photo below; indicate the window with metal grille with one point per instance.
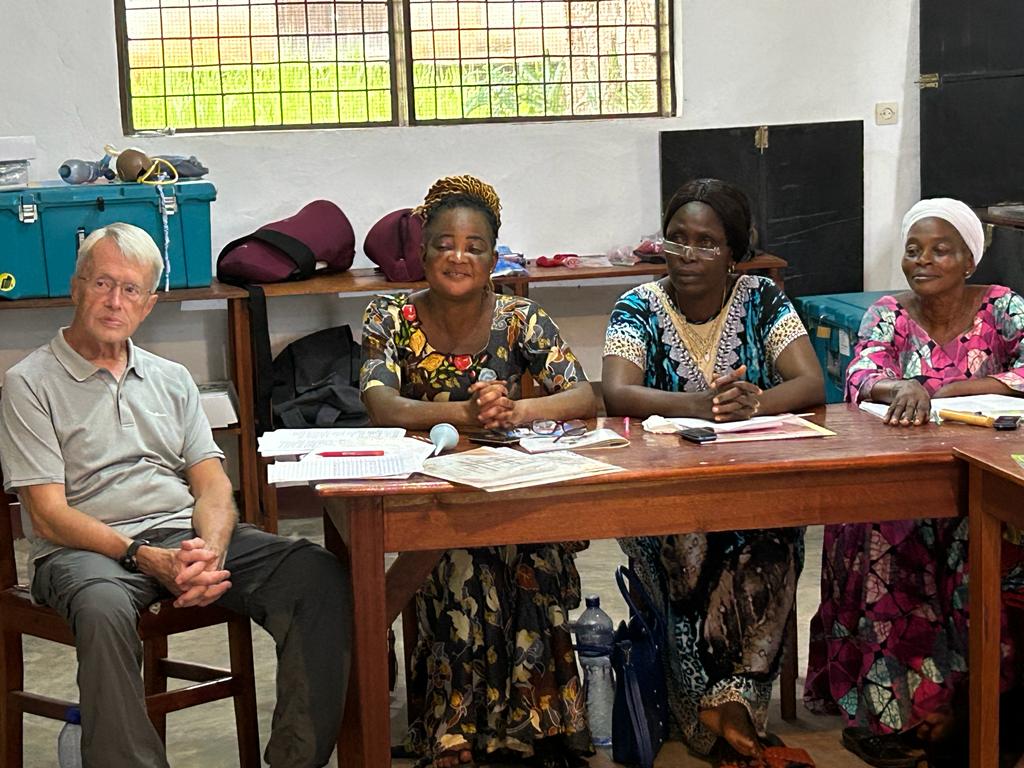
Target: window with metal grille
{"x": 195, "y": 65}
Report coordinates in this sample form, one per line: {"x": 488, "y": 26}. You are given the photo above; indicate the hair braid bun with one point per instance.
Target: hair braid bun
{"x": 470, "y": 186}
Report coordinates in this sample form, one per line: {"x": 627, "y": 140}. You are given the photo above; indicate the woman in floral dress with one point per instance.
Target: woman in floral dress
{"x": 889, "y": 640}
{"x": 494, "y": 667}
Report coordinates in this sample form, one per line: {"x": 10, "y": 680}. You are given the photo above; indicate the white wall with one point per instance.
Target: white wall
{"x": 579, "y": 187}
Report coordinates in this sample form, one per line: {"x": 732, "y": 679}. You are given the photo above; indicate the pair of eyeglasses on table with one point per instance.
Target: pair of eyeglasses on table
{"x": 558, "y": 429}
{"x": 555, "y": 428}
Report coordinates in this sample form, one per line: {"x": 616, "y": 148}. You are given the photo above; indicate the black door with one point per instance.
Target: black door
{"x": 972, "y": 120}
{"x": 805, "y": 183}
{"x": 1003, "y": 262}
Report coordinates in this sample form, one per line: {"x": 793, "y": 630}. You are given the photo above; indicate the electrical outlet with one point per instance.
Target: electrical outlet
{"x": 887, "y": 113}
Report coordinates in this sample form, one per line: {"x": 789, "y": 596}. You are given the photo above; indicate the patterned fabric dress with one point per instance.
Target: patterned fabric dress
{"x": 889, "y": 641}
{"x": 727, "y": 595}
{"x": 494, "y": 666}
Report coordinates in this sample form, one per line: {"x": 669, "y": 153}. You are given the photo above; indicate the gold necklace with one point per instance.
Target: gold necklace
{"x": 701, "y": 339}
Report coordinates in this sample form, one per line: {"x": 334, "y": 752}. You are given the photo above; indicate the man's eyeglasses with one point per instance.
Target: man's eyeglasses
{"x": 103, "y": 286}
{"x": 558, "y": 429}
{"x": 690, "y": 252}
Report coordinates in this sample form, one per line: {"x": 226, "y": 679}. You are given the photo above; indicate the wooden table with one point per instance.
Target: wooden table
{"x": 869, "y": 472}
{"x": 364, "y": 280}
{"x": 996, "y": 497}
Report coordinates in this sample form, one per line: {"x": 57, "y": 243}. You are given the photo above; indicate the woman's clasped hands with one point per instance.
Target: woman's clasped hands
{"x": 494, "y": 408}
{"x": 733, "y": 398}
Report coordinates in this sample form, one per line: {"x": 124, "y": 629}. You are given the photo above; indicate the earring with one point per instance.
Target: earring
{"x": 732, "y": 267}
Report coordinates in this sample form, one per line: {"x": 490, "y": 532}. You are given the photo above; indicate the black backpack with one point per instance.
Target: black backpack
{"x": 316, "y": 382}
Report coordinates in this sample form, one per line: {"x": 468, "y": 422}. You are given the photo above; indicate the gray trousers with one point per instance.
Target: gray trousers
{"x": 294, "y": 589}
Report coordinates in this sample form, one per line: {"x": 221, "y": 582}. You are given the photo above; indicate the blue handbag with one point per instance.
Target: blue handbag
{"x": 640, "y": 710}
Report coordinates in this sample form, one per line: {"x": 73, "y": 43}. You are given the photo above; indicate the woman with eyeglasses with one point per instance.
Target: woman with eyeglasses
{"x": 708, "y": 343}
{"x": 494, "y": 667}
{"x": 889, "y": 641}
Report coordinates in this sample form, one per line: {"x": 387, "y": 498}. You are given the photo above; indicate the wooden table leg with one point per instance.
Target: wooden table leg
{"x": 365, "y": 738}
{"x": 985, "y": 544}
{"x": 249, "y": 467}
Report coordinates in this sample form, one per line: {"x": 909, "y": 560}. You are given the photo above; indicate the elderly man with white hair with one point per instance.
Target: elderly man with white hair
{"x": 127, "y": 501}
{"x": 889, "y": 641}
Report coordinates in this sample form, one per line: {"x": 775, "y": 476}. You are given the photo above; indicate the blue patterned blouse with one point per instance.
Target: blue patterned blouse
{"x": 760, "y": 323}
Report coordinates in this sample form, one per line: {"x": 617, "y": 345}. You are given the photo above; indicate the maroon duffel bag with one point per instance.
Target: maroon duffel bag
{"x": 317, "y": 238}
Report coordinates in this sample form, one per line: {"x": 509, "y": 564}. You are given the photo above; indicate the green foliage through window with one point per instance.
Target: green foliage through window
{"x": 213, "y": 64}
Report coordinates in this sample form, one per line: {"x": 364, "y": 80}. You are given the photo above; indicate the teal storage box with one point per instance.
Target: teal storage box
{"x": 833, "y": 322}
{"x": 42, "y": 226}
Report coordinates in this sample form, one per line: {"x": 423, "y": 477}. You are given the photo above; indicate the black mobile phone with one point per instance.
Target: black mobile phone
{"x": 491, "y": 437}
{"x": 698, "y": 434}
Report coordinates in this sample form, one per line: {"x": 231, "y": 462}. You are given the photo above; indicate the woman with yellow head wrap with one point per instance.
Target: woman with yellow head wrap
{"x": 494, "y": 667}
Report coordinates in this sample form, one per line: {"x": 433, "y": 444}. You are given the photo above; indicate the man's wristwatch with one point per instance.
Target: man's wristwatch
{"x": 128, "y": 561}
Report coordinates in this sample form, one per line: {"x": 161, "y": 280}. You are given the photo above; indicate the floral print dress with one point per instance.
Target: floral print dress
{"x": 888, "y": 643}
{"x": 494, "y": 666}
{"x": 727, "y": 595}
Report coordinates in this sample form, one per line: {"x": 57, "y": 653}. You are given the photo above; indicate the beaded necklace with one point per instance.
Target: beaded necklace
{"x": 701, "y": 339}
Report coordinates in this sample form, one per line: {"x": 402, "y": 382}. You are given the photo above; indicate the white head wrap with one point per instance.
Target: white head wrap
{"x": 959, "y": 214}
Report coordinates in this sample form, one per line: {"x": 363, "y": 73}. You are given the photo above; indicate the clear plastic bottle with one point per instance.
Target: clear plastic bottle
{"x": 69, "y": 742}
{"x": 594, "y": 645}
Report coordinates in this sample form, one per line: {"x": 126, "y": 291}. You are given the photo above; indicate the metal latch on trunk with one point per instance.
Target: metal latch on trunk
{"x": 169, "y": 204}
{"x": 28, "y": 213}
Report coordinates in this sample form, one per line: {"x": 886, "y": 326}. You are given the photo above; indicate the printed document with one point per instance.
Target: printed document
{"x": 314, "y": 468}
{"x": 399, "y": 458}
{"x": 503, "y": 469}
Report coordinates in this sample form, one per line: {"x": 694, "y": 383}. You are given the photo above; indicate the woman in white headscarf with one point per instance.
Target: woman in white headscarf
{"x": 889, "y": 640}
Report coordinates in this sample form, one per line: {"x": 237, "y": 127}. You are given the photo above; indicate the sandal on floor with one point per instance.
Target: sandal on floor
{"x": 889, "y": 750}
{"x": 775, "y": 755}
{"x": 428, "y": 761}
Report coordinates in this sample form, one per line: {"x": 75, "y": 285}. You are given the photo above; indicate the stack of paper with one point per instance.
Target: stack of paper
{"x": 599, "y": 438}
{"x": 986, "y": 405}
{"x": 341, "y": 454}
{"x": 315, "y": 468}
{"x": 503, "y": 469}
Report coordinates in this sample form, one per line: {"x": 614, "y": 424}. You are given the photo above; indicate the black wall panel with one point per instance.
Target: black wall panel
{"x": 806, "y": 190}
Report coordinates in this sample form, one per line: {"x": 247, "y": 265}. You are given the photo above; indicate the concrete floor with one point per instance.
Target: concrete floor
{"x": 205, "y": 735}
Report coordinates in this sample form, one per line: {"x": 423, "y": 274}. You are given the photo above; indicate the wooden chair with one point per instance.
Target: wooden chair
{"x": 18, "y": 617}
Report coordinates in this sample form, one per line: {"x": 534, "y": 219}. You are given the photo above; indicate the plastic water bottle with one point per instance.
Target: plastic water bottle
{"x": 594, "y": 645}
{"x": 69, "y": 742}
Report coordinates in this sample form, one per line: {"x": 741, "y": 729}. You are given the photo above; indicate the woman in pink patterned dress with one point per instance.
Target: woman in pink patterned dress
{"x": 889, "y": 640}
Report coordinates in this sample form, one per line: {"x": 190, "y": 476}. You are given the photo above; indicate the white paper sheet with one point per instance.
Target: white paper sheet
{"x": 315, "y": 468}
{"x": 662, "y": 425}
{"x": 291, "y": 442}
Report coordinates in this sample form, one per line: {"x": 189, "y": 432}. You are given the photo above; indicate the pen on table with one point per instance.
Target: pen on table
{"x": 342, "y": 454}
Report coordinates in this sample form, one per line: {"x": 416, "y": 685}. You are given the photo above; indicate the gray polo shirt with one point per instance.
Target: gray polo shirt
{"x": 120, "y": 448}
